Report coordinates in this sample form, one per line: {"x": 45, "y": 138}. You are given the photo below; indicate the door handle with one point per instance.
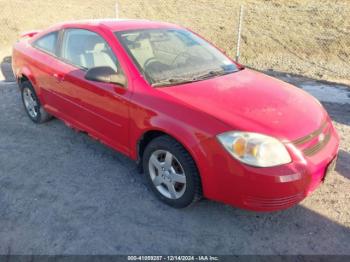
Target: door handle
{"x": 59, "y": 77}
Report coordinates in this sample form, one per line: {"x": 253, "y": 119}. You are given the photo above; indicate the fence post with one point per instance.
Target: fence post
{"x": 116, "y": 9}
{"x": 239, "y": 33}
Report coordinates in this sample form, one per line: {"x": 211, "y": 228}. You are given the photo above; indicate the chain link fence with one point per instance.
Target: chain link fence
{"x": 310, "y": 38}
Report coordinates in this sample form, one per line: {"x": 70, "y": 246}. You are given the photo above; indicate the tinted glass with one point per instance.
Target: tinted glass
{"x": 47, "y": 42}
{"x": 87, "y": 49}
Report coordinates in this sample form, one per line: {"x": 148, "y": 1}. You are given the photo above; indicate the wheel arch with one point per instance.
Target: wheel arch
{"x": 25, "y": 75}
{"x": 22, "y": 78}
{"x": 151, "y": 134}
{"x": 144, "y": 140}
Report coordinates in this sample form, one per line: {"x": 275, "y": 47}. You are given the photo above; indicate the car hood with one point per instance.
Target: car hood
{"x": 254, "y": 102}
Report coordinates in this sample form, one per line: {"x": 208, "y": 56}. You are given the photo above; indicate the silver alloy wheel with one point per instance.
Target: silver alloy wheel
{"x": 167, "y": 174}
{"x": 30, "y": 102}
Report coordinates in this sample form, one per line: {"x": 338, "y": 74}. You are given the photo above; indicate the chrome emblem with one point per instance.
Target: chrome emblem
{"x": 321, "y": 137}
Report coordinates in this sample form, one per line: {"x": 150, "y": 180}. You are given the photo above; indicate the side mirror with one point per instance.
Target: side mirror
{"x": 105, "y": 74}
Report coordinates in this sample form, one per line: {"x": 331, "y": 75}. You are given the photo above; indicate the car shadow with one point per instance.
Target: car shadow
{"x": 6, "y": 69}
{"x": 343, "y": 163}
{"x": 338, "y": 112}
{"x": 297, "y": 79}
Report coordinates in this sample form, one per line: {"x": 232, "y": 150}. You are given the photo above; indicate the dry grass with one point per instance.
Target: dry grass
{"x": 304, "y": 37}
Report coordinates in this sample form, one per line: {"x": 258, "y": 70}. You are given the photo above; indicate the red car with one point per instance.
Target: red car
{"x": 197, "y": 123}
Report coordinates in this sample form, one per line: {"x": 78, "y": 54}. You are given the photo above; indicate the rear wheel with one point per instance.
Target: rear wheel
{"x": 32, "y": 104}
{"x": 171, "y": 172}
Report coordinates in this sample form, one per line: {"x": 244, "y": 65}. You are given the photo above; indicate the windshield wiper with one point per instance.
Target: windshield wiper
{"x": 173, "y": 81}
{"x": 212, "y": 73}
{"x": 183, "y": 80}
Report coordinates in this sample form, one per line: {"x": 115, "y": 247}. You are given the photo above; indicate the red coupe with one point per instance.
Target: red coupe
{"x": 197, "y": 123}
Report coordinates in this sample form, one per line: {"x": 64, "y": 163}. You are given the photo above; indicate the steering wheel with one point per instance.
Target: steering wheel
{"x": 182, "y": 54}
{"x": 148, "y": 61}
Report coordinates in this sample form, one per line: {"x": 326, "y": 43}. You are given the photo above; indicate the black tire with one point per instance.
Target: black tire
{"x": 41, "y": 115}
{"x": 193, "y": 190}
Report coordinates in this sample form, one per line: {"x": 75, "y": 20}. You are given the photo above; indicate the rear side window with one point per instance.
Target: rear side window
{"x": 47, "y": 43}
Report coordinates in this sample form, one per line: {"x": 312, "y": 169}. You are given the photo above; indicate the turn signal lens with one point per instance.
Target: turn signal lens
{"x": 239, "y": 147}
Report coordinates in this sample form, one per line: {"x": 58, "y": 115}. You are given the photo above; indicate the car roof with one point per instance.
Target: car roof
{"x": 119, "y": 24}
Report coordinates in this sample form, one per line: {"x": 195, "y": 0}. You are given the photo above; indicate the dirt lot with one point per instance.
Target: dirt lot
{"x": 305, "y": 37}
{"x": 63, "y": 193}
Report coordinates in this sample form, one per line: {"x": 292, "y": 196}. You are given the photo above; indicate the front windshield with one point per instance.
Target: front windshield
{"x": 173, "y": 56}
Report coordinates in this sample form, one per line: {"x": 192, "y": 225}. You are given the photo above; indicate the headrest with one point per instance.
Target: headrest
{"x": 91, "y": 41}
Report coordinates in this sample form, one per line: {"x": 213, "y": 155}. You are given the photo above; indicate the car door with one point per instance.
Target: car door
{"x": 101, "y": 109}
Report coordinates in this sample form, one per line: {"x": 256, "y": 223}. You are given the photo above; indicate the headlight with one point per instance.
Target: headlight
{"x": 255, "y": 149}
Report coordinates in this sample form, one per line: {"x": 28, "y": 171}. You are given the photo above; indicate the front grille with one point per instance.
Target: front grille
{"x": 317, "y": 147}
{"x": 312, "y": 143}
{"x": 309, "y": 137}
{"x": 273, "y": 202}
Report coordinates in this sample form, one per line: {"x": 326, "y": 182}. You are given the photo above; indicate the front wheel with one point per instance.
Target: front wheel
{"x": 32, "y": 104}
{"x": 171, "y": 172}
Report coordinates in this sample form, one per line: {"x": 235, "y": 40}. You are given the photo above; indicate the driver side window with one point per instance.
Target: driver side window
{"x": 86, "y": 49}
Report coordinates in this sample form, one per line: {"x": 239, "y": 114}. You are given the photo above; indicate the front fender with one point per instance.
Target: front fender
{"x": 186, "y": 135}
{"x": 189, "y": 126}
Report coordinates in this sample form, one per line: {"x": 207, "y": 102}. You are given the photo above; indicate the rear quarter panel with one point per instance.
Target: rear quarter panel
{"x": 23, "y": 64}
{"x": 25, "y": 58}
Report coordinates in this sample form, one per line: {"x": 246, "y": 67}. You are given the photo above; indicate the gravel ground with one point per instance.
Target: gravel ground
{"x": 63, "y": 193}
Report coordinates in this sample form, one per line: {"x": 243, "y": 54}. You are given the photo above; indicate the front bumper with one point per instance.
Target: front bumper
{"x": 227, "y": 180}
